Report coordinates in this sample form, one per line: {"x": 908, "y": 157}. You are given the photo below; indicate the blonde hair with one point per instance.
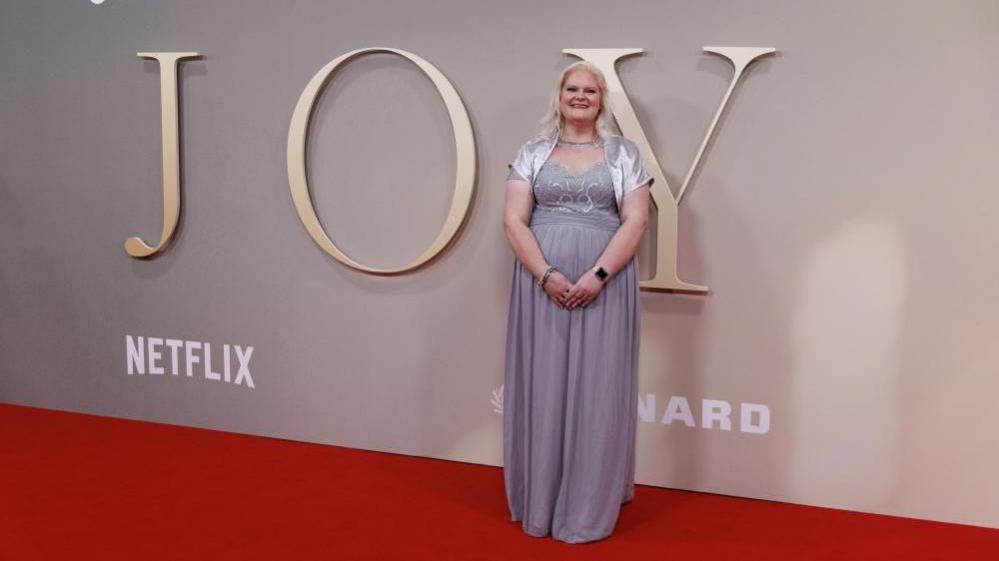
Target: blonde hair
{"x": 552, "y": 122}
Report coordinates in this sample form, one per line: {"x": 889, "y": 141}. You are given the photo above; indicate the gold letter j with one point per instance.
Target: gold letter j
{"x": 171, "y": 154}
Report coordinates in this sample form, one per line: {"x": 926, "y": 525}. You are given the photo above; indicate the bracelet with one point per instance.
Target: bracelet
{"x": 541, "y": 281}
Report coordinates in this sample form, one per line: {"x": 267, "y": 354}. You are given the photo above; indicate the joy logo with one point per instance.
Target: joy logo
{"x": 667, "y": 204}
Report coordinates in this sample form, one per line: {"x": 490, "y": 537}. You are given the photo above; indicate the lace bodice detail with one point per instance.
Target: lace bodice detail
{"x": 559, "y": 190}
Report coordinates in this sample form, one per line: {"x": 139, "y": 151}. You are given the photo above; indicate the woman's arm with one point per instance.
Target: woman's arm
{"x": 624, "y": 244}
{"x": 619, "y": 251}
{"x": 516, "y": 222}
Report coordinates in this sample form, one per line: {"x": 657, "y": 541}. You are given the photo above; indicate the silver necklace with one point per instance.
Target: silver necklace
{"x": 580, "y": 145}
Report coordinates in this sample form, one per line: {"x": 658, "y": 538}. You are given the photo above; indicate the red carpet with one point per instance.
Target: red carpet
{"x": 85, "y": 487}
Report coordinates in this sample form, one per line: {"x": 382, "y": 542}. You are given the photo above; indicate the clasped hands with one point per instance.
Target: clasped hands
{"x": 568, "y": 295}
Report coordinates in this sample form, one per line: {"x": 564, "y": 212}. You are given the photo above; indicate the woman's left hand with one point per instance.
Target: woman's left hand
{"x": 586, "y": 290}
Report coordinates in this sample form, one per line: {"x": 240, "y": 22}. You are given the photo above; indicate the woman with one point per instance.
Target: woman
{"x": 577, "y": 200}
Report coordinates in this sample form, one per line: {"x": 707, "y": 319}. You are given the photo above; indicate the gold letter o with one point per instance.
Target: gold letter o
{"x": 464, "y": 143}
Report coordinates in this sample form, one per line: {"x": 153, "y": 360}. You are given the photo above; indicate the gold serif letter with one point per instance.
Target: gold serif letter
{"x": 464, "y": 143}
{"x": 134, "y": 246}
{"x": 665, "y": 277}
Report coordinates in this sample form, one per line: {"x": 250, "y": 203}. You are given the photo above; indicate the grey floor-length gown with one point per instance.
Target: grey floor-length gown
{"x": 570, "y": 386}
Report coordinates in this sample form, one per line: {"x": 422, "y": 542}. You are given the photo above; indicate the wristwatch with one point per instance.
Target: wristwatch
{"x": 601, "y": 273}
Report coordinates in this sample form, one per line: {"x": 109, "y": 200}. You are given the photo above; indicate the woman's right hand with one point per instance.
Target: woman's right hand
{"x": 557, "y": 288}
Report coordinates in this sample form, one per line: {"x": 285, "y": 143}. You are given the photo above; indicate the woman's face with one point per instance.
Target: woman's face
{"x": 580, "y": 100}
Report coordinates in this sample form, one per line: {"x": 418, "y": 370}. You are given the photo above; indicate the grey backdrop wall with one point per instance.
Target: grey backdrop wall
{"x": 843, "y": 218}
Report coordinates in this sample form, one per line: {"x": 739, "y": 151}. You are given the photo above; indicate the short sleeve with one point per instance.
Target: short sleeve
{"x": 635, "y": 175}
{"x": 520, "y": 167}
{"x": 514, "y": 175}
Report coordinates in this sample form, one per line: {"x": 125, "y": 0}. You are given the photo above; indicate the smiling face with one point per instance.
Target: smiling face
{"x": 580, "y": 101}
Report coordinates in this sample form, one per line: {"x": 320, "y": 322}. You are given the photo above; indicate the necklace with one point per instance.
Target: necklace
{"x": 580, "y": 145}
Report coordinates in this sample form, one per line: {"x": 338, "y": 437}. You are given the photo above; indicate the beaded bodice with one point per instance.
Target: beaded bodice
{"x": 559, "y": 190}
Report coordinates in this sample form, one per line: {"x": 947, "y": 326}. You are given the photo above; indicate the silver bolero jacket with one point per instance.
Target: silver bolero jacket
{"x": 622, "y": 157}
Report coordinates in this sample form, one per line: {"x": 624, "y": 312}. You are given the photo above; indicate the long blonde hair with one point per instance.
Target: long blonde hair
{"x": 552, "y": 122}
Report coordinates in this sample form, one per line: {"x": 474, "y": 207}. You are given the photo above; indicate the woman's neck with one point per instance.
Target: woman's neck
{"x": 577, "y": 132}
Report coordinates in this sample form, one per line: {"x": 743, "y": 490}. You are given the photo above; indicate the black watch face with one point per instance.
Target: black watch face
{"x": 601, "y": 273}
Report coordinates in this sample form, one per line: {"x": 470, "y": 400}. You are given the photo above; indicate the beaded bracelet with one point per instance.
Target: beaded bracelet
{"x": 541, "y": 281}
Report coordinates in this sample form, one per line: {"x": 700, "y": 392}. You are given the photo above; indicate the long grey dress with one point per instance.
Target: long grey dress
{"x": 570, "y": 389}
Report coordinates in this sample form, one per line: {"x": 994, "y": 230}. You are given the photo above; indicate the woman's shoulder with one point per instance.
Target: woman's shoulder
{"x": 533, "y": 149}
{"x": 529, "y": 156}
